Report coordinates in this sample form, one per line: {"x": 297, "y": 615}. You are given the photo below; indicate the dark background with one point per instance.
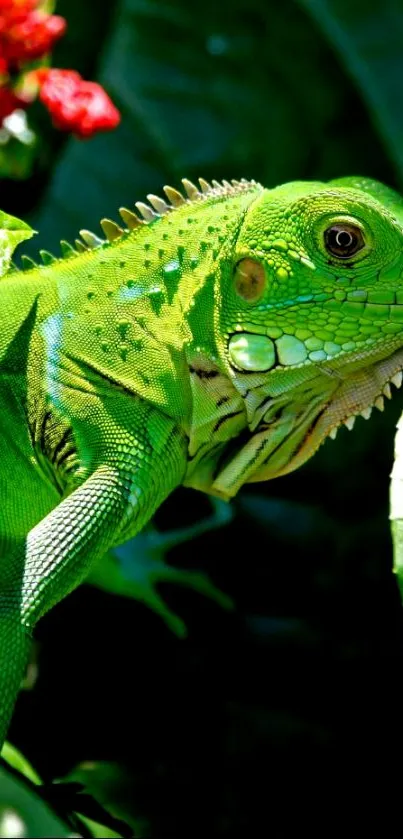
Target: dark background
{"x": 284, "y": 715}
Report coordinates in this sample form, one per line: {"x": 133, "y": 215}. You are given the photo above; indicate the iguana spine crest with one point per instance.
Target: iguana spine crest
{"x": 132, "y": 221}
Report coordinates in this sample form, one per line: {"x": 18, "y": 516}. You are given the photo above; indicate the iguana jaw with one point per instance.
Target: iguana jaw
{"x": 359, "y": 392}
{"x": 291, "y": 425}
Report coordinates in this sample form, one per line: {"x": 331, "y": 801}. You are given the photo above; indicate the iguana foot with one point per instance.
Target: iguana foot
{"x": 135, "y": 568}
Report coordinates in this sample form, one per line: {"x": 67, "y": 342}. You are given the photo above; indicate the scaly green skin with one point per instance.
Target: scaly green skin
{"x": 145, "y": 362}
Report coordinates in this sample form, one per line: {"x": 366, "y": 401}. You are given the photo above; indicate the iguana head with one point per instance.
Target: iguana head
{"x": 310, "y": 318}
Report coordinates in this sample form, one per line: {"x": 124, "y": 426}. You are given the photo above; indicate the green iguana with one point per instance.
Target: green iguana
{"x": 216, "y": 340}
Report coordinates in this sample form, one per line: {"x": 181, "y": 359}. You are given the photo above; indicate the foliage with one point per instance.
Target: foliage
{"x": 271, "y": 712}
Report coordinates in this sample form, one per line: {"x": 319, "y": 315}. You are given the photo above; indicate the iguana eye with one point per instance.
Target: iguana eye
{"x": 250, "y": 280}
{"x": 343, "y": 240}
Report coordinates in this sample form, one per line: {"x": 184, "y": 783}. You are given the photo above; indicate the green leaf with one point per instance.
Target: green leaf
{"x": 99, "y": 831}
{"x": 396, "y": 506}
{"x": 17, "y": 158}
{"x": 17, "y": 761}
{"x": 15, "y": 817}
{"x": 12, "y": 232}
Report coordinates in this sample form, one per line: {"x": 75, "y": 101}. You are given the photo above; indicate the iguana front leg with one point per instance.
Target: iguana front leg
{"x": 131, "y": 474}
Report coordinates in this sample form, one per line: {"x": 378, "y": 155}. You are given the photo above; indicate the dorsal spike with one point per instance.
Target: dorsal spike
{"x": 111, "y": 229}
{"x": 158, "y": 203}
{"x": 146, "y": 211}
{"x": 130, "y": 219}
{"x": 13, "y": 266}
{"x": 47, "y": 258}
{"x": 158, "y": 208}
{"x": 91, "y": 239}
{"x": 67, "y": 249}
{"x": 206, "y": 188}
{"x": 191, "y": 190}
{"x": 175, "y": 197}
{"x": 28, "y": 263}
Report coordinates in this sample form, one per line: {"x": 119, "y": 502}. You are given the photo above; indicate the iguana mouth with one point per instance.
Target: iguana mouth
{"x": 288, "y": 428}
{"x": 357, "y": 394}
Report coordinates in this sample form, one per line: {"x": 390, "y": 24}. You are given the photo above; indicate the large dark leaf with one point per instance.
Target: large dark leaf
{"x": 239, "y": 92}
{"x": 368, "y": 37}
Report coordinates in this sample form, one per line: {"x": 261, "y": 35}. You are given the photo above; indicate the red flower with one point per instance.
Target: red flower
{"x": 25, "y": 35}
{"x": 14, "y": 10}
{"x": 28, "y": 33}
{"x": 74, "y": 104}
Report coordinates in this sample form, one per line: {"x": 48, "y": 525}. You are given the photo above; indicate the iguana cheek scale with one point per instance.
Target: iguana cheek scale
{"x": 217, "y": 338}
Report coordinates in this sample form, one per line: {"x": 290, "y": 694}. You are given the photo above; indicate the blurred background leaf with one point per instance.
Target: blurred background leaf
{"x": 244, "y": 93}
{"x": 368, "y": 39}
